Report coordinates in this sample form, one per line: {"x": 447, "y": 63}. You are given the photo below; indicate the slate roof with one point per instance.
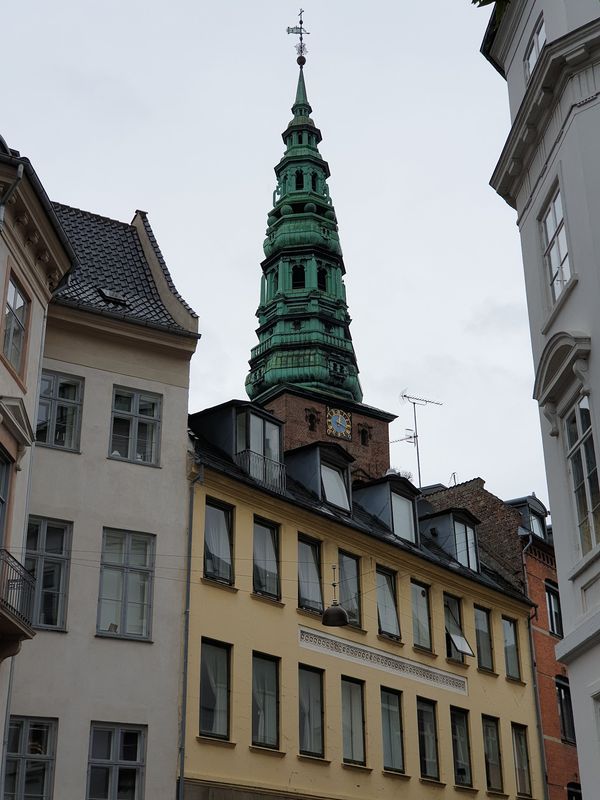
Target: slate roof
{"x": 208, "y": 455}
{"x": 113, "y": 276}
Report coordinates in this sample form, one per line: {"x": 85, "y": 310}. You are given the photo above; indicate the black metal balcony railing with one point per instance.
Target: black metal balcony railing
{"x": 17, "y": 588}
{"x": 264, "y": 470}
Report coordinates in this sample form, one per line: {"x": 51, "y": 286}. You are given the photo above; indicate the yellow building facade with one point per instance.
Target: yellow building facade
{"x": 386, "y": 715}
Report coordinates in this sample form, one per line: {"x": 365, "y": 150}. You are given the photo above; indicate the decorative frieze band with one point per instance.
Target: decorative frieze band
{"x": 371, "y": 657}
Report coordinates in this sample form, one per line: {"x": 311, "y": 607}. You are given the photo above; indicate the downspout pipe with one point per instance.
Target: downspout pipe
{"x": 9, "y": 193}
{"x": 536, "y": 689}
{"x": 186, "y": 635}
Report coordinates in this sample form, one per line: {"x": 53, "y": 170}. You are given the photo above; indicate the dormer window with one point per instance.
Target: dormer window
{"x": 258, "y": 449}
{"x": 466, "y": 546}
{"x": 538, "y": 528}
{"x": 534, "y": 48}
{"x": 403, "y": 517}
{"x": 335, "y": 488}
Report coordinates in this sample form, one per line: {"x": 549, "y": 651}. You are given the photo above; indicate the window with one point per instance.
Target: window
{"x": 59, "y": 411}
{"x": 519, "y": 734}
{"x": 403, "y": 517}
{"x": 574, "y": 791}
{"x": 534, "y": 47}
{"x": 387, "y": 609}
{"x": 483, "y": 635}
{"x": 258, "y": 435}
{"x": 420, "y": 613}
{"x": 537, "y": 525}
{"x": 126, "y": 572}
{"x": 556, "y": 252}
{"x": 47, "y": 560}
{"x": 214, "y": 689}
{"x": 218, "y": 561}
{"x": 565, "y": 709}
{"x": 310, "y": 682}
{"x": 116, "y": 764}
{"x": 15, "y": 324}
{"x": 135, "y": 428}
{"x": 461, "y": 751}
{"x": 309, "y": 575}
{"x": 456, "y": 645}
{"x": 511, "y": 648}
{"x": 299, "y": 181}
{"x": 334, "y": 486}
{"x": 5, "y": 470}
{"x": 391, "y": 723}
{"x": 321, "y": 271}
{"x": 313, "y": 181}
{"x": 350, "y": 586}
{"x": 30, "y": 754}
{"x": 582, "y": 462}
{"x": 265, "y": 701}
{"x": 265, "y": 574}
{"x": 428, "y": 752}
{"x": 466, "y": 548}
{"x": 353, "y": 721}
{"x": 553, "y": 605}
{"x": 298, "y": 276}
{"x": 493, "y": 758}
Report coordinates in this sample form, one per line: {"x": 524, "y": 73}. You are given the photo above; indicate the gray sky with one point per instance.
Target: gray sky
{"x": 177, "y": 108}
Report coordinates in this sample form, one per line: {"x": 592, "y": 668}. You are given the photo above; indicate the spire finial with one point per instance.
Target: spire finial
{"x": 300, "y": 30}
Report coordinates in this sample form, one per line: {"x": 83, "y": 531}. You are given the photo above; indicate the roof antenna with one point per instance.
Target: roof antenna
{"x": 417, "y": 401}
{"x": 300, "y": 30}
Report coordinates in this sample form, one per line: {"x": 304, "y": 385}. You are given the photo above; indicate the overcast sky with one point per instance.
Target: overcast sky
{"x": 177, "y": 109}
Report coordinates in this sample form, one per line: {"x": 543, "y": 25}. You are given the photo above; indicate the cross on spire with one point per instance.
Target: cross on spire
{"x": 300, "y": 30}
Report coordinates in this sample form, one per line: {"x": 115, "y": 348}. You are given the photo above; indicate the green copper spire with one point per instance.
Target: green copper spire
{"x": 304, "y": 325}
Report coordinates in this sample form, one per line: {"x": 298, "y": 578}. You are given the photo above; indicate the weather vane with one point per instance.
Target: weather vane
{"x": 300, "y": 30}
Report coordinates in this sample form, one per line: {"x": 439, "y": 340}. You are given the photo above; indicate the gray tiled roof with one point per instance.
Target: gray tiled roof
{"x": 113, "y": 276}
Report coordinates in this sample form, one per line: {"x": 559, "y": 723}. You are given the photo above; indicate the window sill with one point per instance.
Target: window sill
{"x": 47, "y": 446}
{"x": 264, "y": 598}
{"x": 356, "y": 629}
{"x": 423, "y": 651}
{"x": 455, "y": 663}
{"x": 392, "y": 773}
{"x": 432, "y": 782}
{"x": 587, "y": 560}
{"x": 218, "y": 742}
{"x": 119, "y": 638}
{"x": 317, "y": 759}
{"x": 49, "y": 629}
{"x": 269, "y": 751}
{"x": 460, "y": 788}
{"x": 228, "y": 587}
{"x": 570, "y": 742}
{"x": 306, "y": 612}
{"x": 571, "y": 284}
{"x": 363, "y": 767}
{"x": 496, "y": 793}
{"x": 132, "y": 461}
{"x": 390, "y": 640}
{"x": 518, "y": 681}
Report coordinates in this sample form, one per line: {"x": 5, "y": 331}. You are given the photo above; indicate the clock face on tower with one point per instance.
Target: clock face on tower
{"x": 339, "y": 423}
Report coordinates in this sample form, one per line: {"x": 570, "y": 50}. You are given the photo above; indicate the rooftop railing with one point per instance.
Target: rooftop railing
{"x": 265, "y": 471}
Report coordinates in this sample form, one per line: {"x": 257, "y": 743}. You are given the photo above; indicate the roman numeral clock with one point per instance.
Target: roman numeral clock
{"x": 339, "y": 423}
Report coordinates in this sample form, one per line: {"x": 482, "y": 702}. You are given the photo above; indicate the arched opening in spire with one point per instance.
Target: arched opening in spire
{"x": 298, "y": 277}
{"x": 313, "y": 181}
{"x": 275, "y": 282}
{"x": 299, "y": 180}
{"x": 322, "y": 279}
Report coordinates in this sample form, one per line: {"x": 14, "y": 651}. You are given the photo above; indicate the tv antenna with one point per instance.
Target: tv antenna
{"x": 413, "y": 436}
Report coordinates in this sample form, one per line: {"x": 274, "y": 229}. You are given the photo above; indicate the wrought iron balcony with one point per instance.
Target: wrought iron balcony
{"x": 17, "y": 589}
{"x": 265, "y": 471}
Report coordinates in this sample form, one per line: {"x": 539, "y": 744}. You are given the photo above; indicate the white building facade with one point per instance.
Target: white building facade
{"x": 549, "y": 171}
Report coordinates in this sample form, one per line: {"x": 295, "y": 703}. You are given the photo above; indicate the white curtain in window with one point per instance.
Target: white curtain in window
{"x": 309, "y": 579}
{"x": 217, "y": 548}
{"x": 349, "y": 594}
{"x": 214, "y": 690}
{"x": 460, "y": 743}
{"x": 391, "y": 730}
{"x": 311, "y": 712}
{"x": 352, "y": 722}
{"x": 427, "y": 740}
{"x": 521, "y": 760}
{"x": 264, "y": 702}
{"x": 386, "y": 604}
{"x": 266, "y": 578}
{"x": 402, "y": 512}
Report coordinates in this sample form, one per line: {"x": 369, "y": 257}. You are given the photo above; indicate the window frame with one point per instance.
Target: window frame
{"x": 265, "y": 657}
{"x": 490, "y": 638}
{"x": 347, "y": 724}
{"x": 453, "y": 637}
{"x": 523, "y": 769}
{"x": 305, "y": 668}
{"x": 553, "y": 609}
{"x": 494, "y": 724}
{"x": 115, "y": 763}
{"x": 315, "y": 547}
{"x": 413, "y": 538}
{"x": 565, "y": 709}
{"x": 345, "y": 599}
{"x": 244, "y": 430}
{"x": 578, "y": 449}
{"x": 17, "y": 370}
{"x": 53, "y": 401}
{"x": 342, "y": 474}
{"x": 424, "y": 588}
{"x": 392, "y": 585}
{"x": 561, "y": 275}
{"x": 22, "y": 758}
{"x": 135, "y": 417}
{"x": 515, "y": 627}
{"x": 127, "y": 569}
{"x": 6, "y": 471}
{"x": 226, "y": 648}
{"x": 400, "y": 739}
{"x": 432, "y": 705}
{"x": 464, "y": 714}
{"x": 41, "y": 557}
{"x": 469, "y": 555}
{"x": 274, "y": 529}
{"x": 534, "y": 46}
{"x": 228, "y": 511}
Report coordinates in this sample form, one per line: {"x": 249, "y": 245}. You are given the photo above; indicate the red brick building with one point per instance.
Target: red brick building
{"x": 515, "y": 535}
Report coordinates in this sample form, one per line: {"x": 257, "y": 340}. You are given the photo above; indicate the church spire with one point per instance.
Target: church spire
{"x": 304, "y": 325}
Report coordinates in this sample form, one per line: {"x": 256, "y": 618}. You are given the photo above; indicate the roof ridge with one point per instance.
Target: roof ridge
{"x": 92, "y": 214}
{"x": 454, "y": 486}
